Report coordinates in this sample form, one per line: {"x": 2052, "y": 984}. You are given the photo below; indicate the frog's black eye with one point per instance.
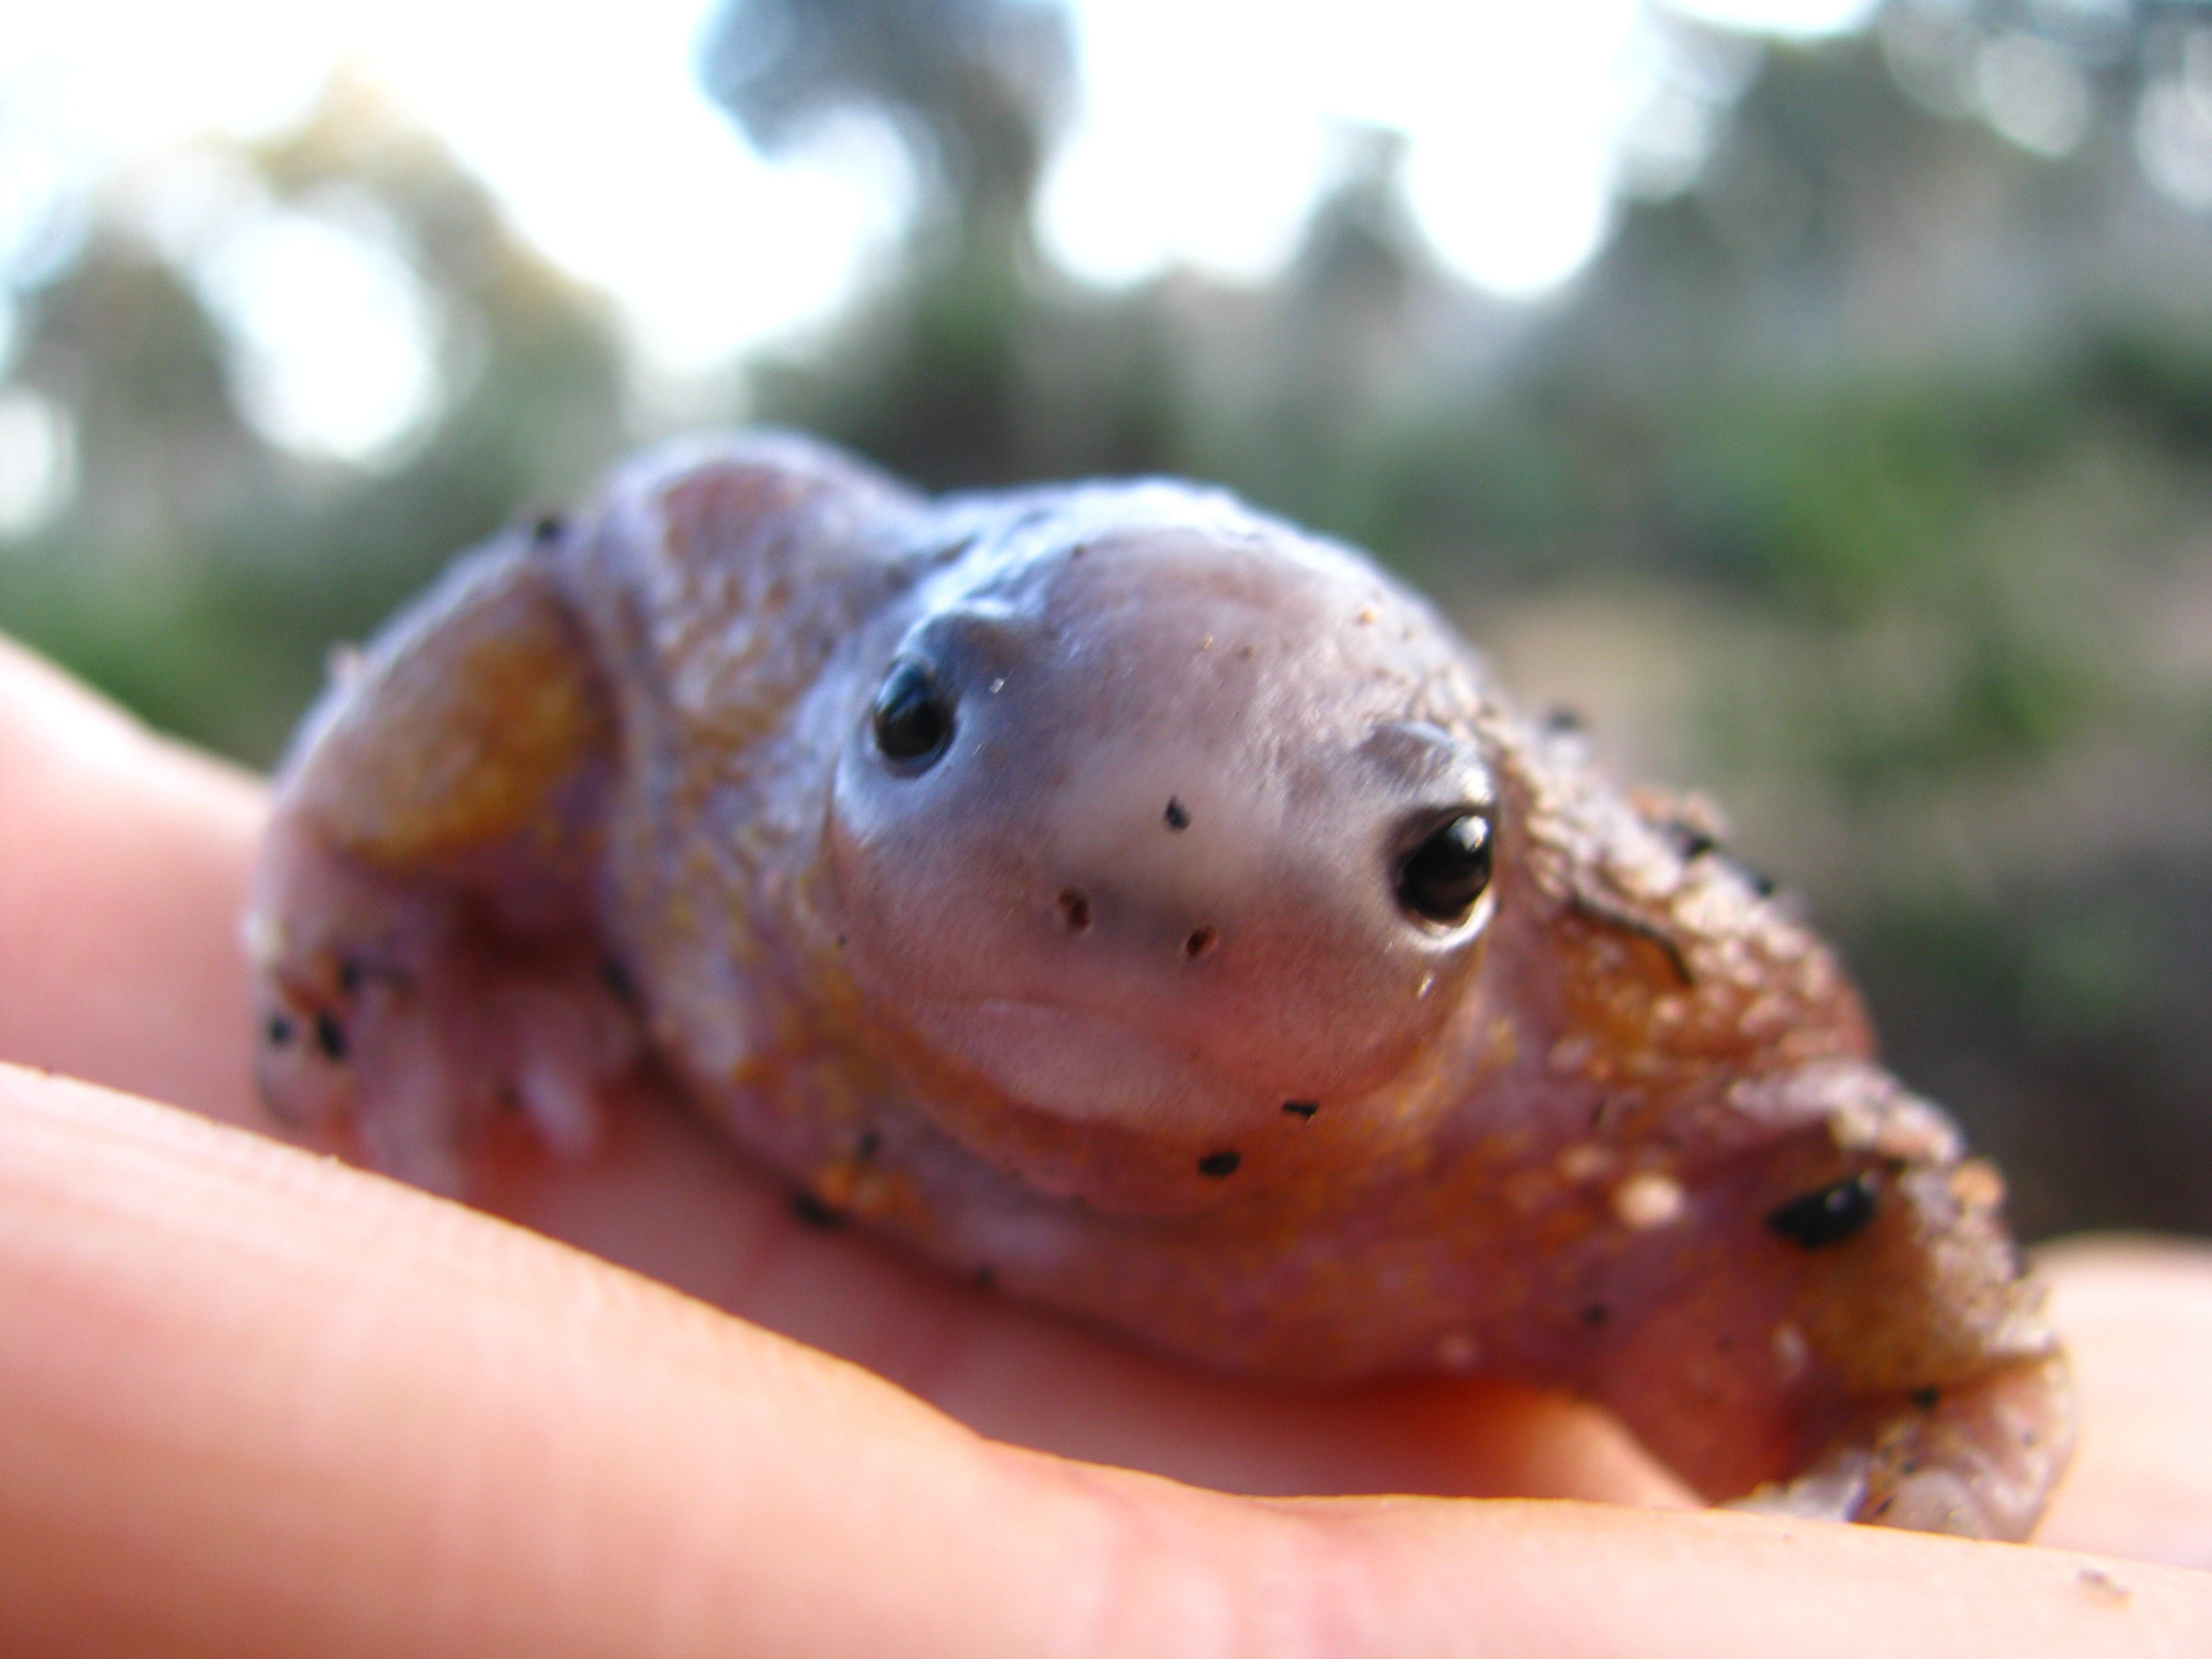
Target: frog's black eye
{"x": 1447, "y": 870}
{"x": 913, "y": 718}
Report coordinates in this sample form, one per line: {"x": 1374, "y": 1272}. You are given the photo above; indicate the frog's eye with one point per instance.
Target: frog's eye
{"x": 1447, "y": 869}
{"x": 913, "y": 718}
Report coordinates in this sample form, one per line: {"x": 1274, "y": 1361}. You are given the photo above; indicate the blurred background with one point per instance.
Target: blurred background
{"x": 1813, "y": 395}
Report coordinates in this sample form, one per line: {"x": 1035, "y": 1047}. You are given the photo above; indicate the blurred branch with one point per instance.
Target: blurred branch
{"x": 977, "y": 89}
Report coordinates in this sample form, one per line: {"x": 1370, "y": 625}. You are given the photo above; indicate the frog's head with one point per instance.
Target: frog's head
{"x": 1150, "y": 833}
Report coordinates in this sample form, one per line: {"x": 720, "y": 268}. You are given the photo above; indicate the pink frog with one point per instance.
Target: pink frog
{"x": 1156, "y": 912}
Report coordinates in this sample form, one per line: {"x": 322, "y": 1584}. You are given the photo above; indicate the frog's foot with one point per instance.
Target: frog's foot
{"x": 389, "y": 1014}
{"x": 423, "y": 932}
{"x": 1836, "y": 1323}
{"x": 1976, "y": 1460}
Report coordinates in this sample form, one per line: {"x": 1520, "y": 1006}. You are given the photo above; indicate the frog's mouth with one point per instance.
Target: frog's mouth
{"x": 1087, "y": 1066}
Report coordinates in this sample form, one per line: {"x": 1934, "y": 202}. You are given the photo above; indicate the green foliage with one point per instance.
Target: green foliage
{"x": 2162, "y": 381}
{"x": 202, "y": 576}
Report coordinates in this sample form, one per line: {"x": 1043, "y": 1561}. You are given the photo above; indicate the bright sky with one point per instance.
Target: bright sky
{"x": 1205, "y": 133}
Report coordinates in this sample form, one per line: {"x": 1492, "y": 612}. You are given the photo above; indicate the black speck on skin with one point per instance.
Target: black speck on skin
{"x": 985, "y": 1277}
{"x": 1177, "y": 815}
{"x": 871, "y": 1144}
{"x": 814, "y": 1212}
{"x": 330, "y": 1037}
{"x": 1926, "y": 1399}
{"x": 1304, "y": 1108}
{"x": 619, "y": 982}
{"x": 279, "y": 1030}
{"x": 1689, "y": 841}
{"x": 1596, "y": 1313}
{"x": 1835, "y": 1213}
{"x": 1759, "y": 883}
{"x": 1219, "y": 1166}
{"x": 352, "y": 973}
{"x": 548, "y": 527}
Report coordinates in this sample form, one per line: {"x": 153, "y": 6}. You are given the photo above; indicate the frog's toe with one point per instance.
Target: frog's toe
{"x": 1981, "y": 1459}
{"x": 1833, "y": 1489}
{"x": 399, "y": 1022}
{"x": 564, "y": 1040}
{"x": 409, "y": 1116}
{"x": 1976, "y": 1460}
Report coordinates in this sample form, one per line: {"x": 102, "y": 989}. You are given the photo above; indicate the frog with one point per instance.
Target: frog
{"x": 1156, "y": 912}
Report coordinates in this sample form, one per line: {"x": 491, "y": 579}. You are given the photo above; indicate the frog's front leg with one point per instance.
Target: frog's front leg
{"x": 424, "y": 931}
{"x": 1838, "y": 1325}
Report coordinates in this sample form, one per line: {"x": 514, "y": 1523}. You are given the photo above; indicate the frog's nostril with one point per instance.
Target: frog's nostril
{"x": 1201, "y": 941}
{"x": 1074, "y": 910}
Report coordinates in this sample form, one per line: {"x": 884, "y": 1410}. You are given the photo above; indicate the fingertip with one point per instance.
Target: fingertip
{"x": 2136, "y": 1312}
{"x": 123, "y": 865}
{"x": 260, "y": 1403}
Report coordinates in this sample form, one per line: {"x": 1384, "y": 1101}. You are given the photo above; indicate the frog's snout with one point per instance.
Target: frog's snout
{"x": 1157, "y": 837}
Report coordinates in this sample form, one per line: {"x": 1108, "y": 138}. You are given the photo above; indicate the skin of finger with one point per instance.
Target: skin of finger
{"x": 258, "y": 1403}
{"x": 2137, "y": 1313}
{"x": 124, "y": 868}
{"x": 123, "y": 862}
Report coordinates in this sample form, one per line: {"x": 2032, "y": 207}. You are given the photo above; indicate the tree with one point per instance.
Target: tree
{"x": 977, "y": 89}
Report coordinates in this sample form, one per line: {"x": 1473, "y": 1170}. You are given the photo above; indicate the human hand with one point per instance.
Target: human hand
{"x": 255, "y": 1401}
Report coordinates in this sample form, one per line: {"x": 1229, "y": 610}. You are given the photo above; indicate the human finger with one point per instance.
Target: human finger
{"x": 261, "y": 1404}
{"x": 123, "y": 867}
{"x": 2136, "y": 1313}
